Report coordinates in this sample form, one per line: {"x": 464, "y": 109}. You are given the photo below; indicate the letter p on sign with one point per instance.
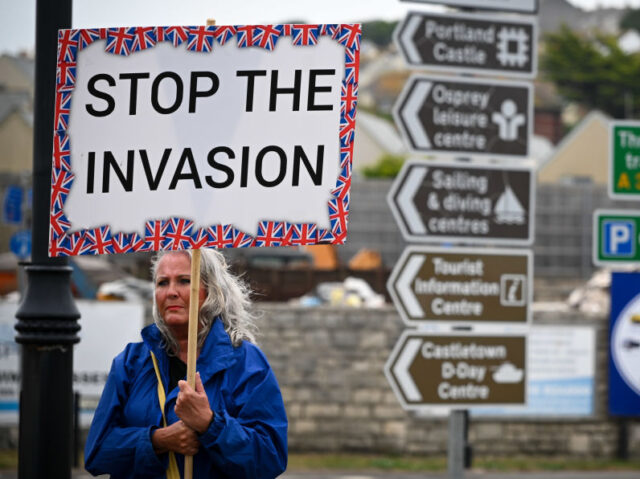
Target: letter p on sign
{"x": 619, "y": 238}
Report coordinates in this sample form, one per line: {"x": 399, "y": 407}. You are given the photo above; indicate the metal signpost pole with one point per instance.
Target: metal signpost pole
{"x": 47, "y": 317}
{"x": 456, "y": 446}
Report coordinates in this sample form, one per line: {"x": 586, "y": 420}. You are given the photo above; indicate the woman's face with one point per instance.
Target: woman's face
{"x": 173, "y": 289}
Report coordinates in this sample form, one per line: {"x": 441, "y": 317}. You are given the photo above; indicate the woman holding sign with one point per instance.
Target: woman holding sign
{"x": 233, "y": 422}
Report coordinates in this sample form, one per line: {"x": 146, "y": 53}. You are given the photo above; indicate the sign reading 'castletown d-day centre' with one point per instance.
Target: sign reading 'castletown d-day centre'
{"x": 188, "y": 137}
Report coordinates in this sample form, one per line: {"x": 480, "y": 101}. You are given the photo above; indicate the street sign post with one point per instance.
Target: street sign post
{"x": 465, "y": 116}
{"x": 464, "y": 203}
{"x": 624, "y": 160}
{"x": 469, "y": 43}
{"x": 462, "y": 285}
{"x": 616, "y": 237}
{"x": 458, "y": 370}
{"x": 624, "y": 346}
{"x": 522, "y": 6}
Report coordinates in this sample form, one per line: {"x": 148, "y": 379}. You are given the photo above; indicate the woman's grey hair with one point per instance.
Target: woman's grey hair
{"x": 227, "y": 296}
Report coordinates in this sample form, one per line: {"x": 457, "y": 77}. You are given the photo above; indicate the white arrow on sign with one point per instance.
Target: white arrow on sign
{"x": 403, "y": 286}
{"x": 412, "y": 23}
{"x": 409, "y": 114}
{"x": 401, "y": 369}
{"x": 405, "y": 200}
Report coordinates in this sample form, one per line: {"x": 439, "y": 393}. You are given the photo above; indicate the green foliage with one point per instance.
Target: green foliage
{"x": 631, "y": 20}
{"x": 378, "y": 32}
{"x": 594, "y": 72}
{"x": 387, "y": 166}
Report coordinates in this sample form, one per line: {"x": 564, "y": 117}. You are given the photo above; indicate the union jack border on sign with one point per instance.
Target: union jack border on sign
{"x": 179, "y": 233}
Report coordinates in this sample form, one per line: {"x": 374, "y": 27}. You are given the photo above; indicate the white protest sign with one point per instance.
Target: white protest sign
{"x": 188, "y": 137}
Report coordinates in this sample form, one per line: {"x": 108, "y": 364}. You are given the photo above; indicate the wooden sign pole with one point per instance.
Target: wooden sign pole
{"x": 192, "y": 339}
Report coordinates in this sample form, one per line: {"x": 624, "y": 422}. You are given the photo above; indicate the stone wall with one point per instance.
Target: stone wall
{"x": 329, "y": 363}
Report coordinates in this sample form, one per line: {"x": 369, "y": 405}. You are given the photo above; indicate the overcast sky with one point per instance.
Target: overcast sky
{"x": 17, "y": 21}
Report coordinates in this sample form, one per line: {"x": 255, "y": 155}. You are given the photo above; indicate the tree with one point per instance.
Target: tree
{"x": 593, "y": 71}
{"x": 631, "y": 20}
{"x": 378, "y": 32}
{"x": 387, "y": 166}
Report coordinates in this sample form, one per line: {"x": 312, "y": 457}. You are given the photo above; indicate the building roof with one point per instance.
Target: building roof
{"x": 381, "y": 131}
{"x": 11, "y": 102}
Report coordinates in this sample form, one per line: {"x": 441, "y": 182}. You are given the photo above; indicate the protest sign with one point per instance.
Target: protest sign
{"x": 188, "y": 137}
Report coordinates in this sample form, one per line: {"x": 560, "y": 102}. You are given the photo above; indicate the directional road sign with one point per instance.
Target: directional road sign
{"x": 624, "y": 350}
{"x": 20, "y": 244}
{"x": 469, "y": 43}
{"x": 464, "y": 203}
{"x": 624, "y": 160}
{"x": 465, "y": 116}
{"x": 462, "y": 285}
{"x": 522, "y": 6}
{"x": 12, "y": 205}
{"x": 427, "y": 369}
{"x": 616, "y": 237}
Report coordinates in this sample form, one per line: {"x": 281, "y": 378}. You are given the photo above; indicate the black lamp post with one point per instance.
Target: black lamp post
{"x": 47, "y": 317}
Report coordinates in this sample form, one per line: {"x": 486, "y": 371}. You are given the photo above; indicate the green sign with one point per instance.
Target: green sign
{"x": 624, "y": 161}
{"x": 616, "y": 237}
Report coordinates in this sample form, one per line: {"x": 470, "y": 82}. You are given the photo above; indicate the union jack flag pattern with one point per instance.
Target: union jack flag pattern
{"x": 349, "y": 36}
{"x": 351, "y": 66}
{"x": 343, "y": 183}
{"x": 270, "y": 233}
{"x": 329, "y": 29}
{"x": 122, "y": 243}
{"x": 178, "y": 234}
{"x": 241, "y": 239}
{"x": 73, "y": 243}
{"x": 98, "y": 241}
{"x": 174, "y": 35}
{"x": 325, "y": 236}
{"x": 221, "y": 236}
{"x": 61, "y": 152}
{"x": 65, "y": 76}
{"x": 345, "y": 155}
{"x": 56, "y": 246}
{"x": 154, "y": 231}
{"x": 87, "y": 36}
{"x": 347, "y": 128}
{"x": 286, "y": 30}
{"x": 59, "y": 223}
{"x": 224, "y": 33}
{"x": 266, "y": 36}
{"x": 200, "y": 39}
{"x": 349, "y": 97}
{"x": 120, "y": 40}
{"x": 62, "y": 110}
{"x": 200, "y": 238}
{"x": 300, "y": 234}
{"x": 305, "y": 34}
{"x": 246, "y": 35}
{"x": 67, "y": 46}
{"x": 61, "y": 181}
{"x": 143, "y": 38}
{"x": 338, "y": 215}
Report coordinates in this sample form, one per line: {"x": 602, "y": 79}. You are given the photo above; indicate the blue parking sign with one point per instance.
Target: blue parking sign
{"x": 619, "y": 238}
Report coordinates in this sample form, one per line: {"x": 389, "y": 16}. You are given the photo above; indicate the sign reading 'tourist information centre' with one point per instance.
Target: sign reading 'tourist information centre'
{"x": 462, "y": 285}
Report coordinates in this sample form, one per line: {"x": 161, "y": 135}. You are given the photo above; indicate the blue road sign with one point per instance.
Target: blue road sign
{"x": 619, "y": 238}
{"x": 624, "y": 345}
{"x": 12, "y": 205}
{"x": 20, "y": 244}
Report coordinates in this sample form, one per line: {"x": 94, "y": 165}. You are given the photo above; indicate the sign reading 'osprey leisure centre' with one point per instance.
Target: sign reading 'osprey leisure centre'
{"x": 190, "y": 137}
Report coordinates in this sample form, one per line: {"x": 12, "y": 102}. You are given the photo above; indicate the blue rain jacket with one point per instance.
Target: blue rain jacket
{"x": 246, "y": 439}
